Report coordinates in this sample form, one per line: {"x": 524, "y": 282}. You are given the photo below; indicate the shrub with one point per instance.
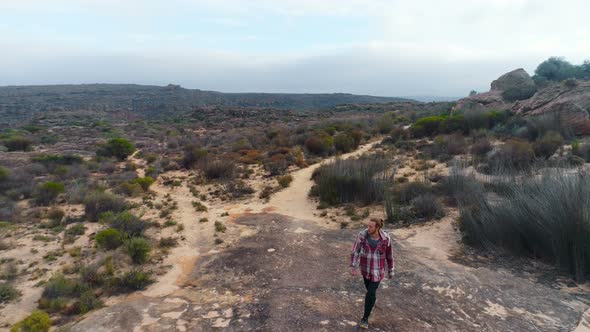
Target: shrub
{"x": 406, "y": 192}
{"x": 87, "y": 302}
{"x": 218, "y": 169}
{"x": 129, "y": 189}
{"x": 58, "y": 286}
{"x": 138, "y": 249}
{"x": 512, "y": 155}
{"x": 285, "y": 180}
{"x": 48, "y": 192}
{"x": 4, "y": 174}
{"x": 427, "y": 206}
{"x": 194, "y": 154}
{"x": 481, "y": 147}
{"x": 426, "y": 126}
{"x": 145, "y": 182}
{"x": 8, "y": 293}
{"x": 199, "y": 207}
{"x": 351, "y": 180}
{"x": 18, "y": 143}
{"x": 546, "y": 217}
{"x": 100, "y": 202}
{"x": 319, "y": 144}
{"x": 131, "y": 281}
{"x": 276, "y": 164}
{"x": 119, "y": 148}
{"x": 237, "y": 189}
{"x": 56, "y": 214}
{"x": 547, "y": 145}
{"x": 219, "y": 227}
{"x": 125, "y": 222}
{"x": 38, "y": 321}
{"x": 581, "y": 150}
{"x": 109, "y": 238}
{"x": 344, "y": 143}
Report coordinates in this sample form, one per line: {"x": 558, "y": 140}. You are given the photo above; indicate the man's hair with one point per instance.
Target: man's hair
{"x": 378, "y": 222}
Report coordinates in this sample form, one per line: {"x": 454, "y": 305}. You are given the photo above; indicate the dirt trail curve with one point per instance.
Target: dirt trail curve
{"x": 288, "y": 272}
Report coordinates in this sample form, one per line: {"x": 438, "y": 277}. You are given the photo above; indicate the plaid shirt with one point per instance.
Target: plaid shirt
{"x": 372, "y": 261}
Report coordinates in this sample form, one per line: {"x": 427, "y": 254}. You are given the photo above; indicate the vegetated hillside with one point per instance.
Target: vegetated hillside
{"x": 21, "y": 101}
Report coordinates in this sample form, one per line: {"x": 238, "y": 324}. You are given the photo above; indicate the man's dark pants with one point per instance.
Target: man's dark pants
{"x": 371, "y": 296}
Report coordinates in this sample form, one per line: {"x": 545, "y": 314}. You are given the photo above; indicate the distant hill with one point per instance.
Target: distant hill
{"x": 23, "y": 100}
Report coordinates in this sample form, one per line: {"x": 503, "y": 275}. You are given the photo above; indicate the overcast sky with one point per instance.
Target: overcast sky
{"x": 378, "y": 47}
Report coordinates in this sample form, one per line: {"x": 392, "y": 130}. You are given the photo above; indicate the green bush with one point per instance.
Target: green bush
{"x": 38, "y": 321}
{"x": 581, "y": 150}
{"x": 109, "y": 238}
{"x": 352, "y": 180}
{"x": 344, "y": 143}
{"x": 119, "y": 148}
{"x": 48, "y": 192}
{"x": 406, "y": 192}
{"x": 545, "y": 216}
{"x": 131, "y": 281}
{"x": 18, "y": 143}
{"x": 319, "y": 143}
{"x": 125, "y": 222}
{"x": 426, "y": 126}
{"x": 138, "y": 249}
{"x": 4, "y": 174}
{"x": 219, "y": 227}
{"x": 145, "y": 182}
{"x": 58, "y": 286}
{"x": 547, "y": 145}
{"x": 100, "y": 202}
{"x": 8, "y": 293}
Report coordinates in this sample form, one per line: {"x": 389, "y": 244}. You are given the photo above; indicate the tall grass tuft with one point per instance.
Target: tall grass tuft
{"x": 352, "y": 180}
{"x": 547, "y": 216}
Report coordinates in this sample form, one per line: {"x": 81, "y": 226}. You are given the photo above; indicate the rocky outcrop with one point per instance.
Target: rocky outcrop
{"x": 570, "y": 99}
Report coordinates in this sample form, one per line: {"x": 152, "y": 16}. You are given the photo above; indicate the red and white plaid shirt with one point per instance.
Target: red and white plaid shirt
{"x": 372, "y": 261}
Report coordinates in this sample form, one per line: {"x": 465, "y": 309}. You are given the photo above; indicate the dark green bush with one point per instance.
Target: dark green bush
{"x": 319, "y": 143}
{"x": 405, "y": 192}
{"x": 131, "y": 281}
{"x": 426, "y": 126}
{"x": 581, "y": 150}
{"x": 119, "y": 148}
{"x": 18, "y": 143}
{"x": 109, "y": 238}
{"x": 59, "y": 286}
{"x": 48, "y": 192}
{"x": 100, "y": 202}
{"x": 545, "y": 217}
{"x": 344, "y": 143}
{"x": 138, "y": 249}
{"x": 352, "y": 180}
{"x": 125, "y": 222}
{"x": 8, "y": 293}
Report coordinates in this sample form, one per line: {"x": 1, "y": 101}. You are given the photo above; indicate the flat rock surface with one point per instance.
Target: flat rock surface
{"x": 304, "y": 285}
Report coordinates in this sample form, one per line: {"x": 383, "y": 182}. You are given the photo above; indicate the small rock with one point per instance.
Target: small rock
{"x": 270, "y": 250}
{"x": 211, "y": 314}
{"x": 325, "y": 322}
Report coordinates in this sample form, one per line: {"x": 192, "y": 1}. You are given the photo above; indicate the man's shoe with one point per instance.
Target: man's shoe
{"x": 364, "y": 324}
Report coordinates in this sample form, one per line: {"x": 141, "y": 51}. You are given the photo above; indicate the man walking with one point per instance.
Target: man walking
{"x": 371, "y": 249}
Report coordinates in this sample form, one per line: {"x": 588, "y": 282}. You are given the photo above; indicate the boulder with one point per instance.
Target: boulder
{"x": 516, "y": 79}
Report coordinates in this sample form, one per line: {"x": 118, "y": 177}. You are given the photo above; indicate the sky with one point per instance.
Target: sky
{"x": 376, "y": 47}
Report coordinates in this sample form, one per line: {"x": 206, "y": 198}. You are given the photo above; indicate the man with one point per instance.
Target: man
{"x": 371, "y": 249}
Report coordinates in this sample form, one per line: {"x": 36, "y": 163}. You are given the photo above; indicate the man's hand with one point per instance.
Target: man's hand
{"x": 353, "y": 271}
{"x": 391, "y": 274}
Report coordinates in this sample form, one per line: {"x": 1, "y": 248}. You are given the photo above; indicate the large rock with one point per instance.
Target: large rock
{"x": 570, "y": 101}
{"x": 516, "y": 79}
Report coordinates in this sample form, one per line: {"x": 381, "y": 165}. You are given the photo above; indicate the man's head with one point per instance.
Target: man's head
{"x": 374, "y": 225}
